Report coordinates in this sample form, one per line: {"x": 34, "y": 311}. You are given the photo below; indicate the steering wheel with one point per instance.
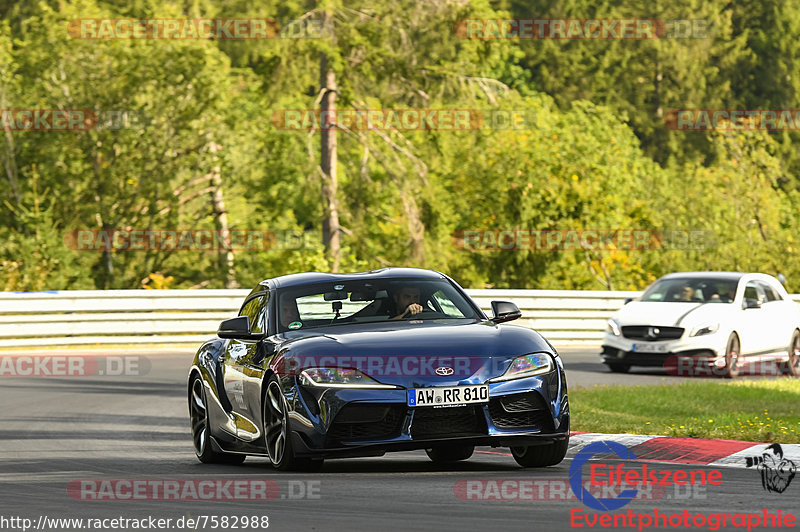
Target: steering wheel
{"x": 424, "y": 314}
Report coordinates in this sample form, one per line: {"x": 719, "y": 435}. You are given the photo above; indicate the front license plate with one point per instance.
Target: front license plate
{"x": 454, "y": 395}
{"x": 649, "y": 348}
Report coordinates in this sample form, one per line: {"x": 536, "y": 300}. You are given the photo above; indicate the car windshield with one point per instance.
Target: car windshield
{"x": 692, "y": 290}
{"x": 373, "y": 301}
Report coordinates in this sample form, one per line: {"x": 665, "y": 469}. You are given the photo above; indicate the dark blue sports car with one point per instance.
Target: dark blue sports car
{"x": 322, "y": 365}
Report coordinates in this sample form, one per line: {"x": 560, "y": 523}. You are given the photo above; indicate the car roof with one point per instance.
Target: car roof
{"x": 300, "y": 279}
{"x": 726, "y": 276}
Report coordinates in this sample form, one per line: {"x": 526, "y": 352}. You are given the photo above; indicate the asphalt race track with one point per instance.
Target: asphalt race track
{"x": 101, "y": 432}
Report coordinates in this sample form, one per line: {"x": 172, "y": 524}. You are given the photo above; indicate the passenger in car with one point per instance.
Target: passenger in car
{"x": 289, "y": 312}
{"x": 686, "y": 294}
{"x": 722, "y": 294}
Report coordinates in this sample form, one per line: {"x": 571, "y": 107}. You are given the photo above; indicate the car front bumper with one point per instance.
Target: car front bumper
{"x": 351, "y": 422}
{"x": 709, "y": 348}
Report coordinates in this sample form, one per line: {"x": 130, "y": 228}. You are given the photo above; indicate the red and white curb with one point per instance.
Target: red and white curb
{"x": 695, "y": 451}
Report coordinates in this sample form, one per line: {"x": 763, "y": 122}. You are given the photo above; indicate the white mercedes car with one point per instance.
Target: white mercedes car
{"x": 717, "y": 322}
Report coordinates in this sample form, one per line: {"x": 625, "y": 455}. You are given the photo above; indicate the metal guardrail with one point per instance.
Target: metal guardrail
{"x": 88, "y": 317}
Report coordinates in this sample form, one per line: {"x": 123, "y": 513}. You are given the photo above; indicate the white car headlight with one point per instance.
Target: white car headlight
{"x": 613, "y": 327}
{"x": 340, "y": 378}
{"x": 707, "y": 328}
{"x": 526, "y": 366}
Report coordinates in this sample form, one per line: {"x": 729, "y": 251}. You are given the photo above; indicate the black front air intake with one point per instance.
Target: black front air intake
{"x": 431, "y": 423}
{"x": 521, "y": 411}
{"x": 651, "y": 334}
{"x": 366, "y": 422}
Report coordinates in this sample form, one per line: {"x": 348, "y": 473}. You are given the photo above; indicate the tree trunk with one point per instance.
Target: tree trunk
{"x": 330, "y": 209}
{"x": 9, "y": 161}
{"x": 416, "y": 230}
{"x": 225, "y": 256}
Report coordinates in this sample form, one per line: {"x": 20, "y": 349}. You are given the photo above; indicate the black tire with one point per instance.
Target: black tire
{"x": 617, "y": 367}
{"x": 791, "y": 366}
{"x": 541, "y": 455}
{"x": 277, "y": 440}
{"x": 450, "y": 453}
{"x": 201, "y": 437}
{"x": 732, "y": 356}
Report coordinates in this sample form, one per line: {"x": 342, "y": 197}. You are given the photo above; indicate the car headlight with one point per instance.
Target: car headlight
{"x": 340, "y": 378}
{"x": 527, "y": 366}
{"x": 613, "y": 327}
{"x": 704, "y": 329}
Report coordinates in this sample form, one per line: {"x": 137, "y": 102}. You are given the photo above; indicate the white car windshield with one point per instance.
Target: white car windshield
{"x": 692, "y": 290}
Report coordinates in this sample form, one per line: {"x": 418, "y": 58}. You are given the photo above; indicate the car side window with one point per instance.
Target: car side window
{"x": 769, "y": 292}
{"x": 253, "y": 309}
{"x": 778, "y": 296}
{"x": 751, "y": 291}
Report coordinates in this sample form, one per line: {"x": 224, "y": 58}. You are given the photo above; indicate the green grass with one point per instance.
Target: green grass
{"x": 749, "y": 410}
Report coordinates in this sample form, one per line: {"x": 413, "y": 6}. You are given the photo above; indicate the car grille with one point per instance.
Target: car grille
{"x": 364, "y": 422}
{"x": 448, "y": 422}
{"x": 521, "y": 411}
{"x": 651, "y": 333}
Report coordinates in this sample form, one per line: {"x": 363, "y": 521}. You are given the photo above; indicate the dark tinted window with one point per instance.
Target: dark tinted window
{"x": 769, "y": 292}
{"x": 253, "y": 309}
{"x": 691, "y": 289}
{"x": 330, "y": 304}
{"x": 751, "y": 291}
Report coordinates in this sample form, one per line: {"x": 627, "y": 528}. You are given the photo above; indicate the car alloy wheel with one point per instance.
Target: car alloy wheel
{"x": 732, "y": 355}
{"x": 201, "y": 438}
{"x": 198, "y": 416}
{"x": 792, "y": 365}
{"x": 275, "y": 423}
{"x": 277, "y": 437}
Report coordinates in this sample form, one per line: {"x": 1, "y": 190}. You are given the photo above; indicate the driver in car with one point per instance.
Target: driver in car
{"x": 686, "y": 293}
{"x": 407, "y": 299}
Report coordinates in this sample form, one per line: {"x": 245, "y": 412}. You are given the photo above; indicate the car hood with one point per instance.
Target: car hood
{"x": 670, "y": 314}
{"x": 408, "y": 354}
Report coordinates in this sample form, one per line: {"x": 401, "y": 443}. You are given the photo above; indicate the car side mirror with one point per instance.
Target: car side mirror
{"x": 627, "y": 300}
{"x": 237, "y": 328}
{"x": 752, "y": 303}
{"x": 505, "y": 311}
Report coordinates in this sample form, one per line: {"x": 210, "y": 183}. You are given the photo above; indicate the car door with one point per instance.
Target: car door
{"x": 780, "y": 317}
{"x": 755, "y": 323}
{"x": 251, "y": 368}
{"x": 234, "y": 375}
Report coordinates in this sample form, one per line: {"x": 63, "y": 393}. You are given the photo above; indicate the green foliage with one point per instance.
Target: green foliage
{"x": 594, "y": 153}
